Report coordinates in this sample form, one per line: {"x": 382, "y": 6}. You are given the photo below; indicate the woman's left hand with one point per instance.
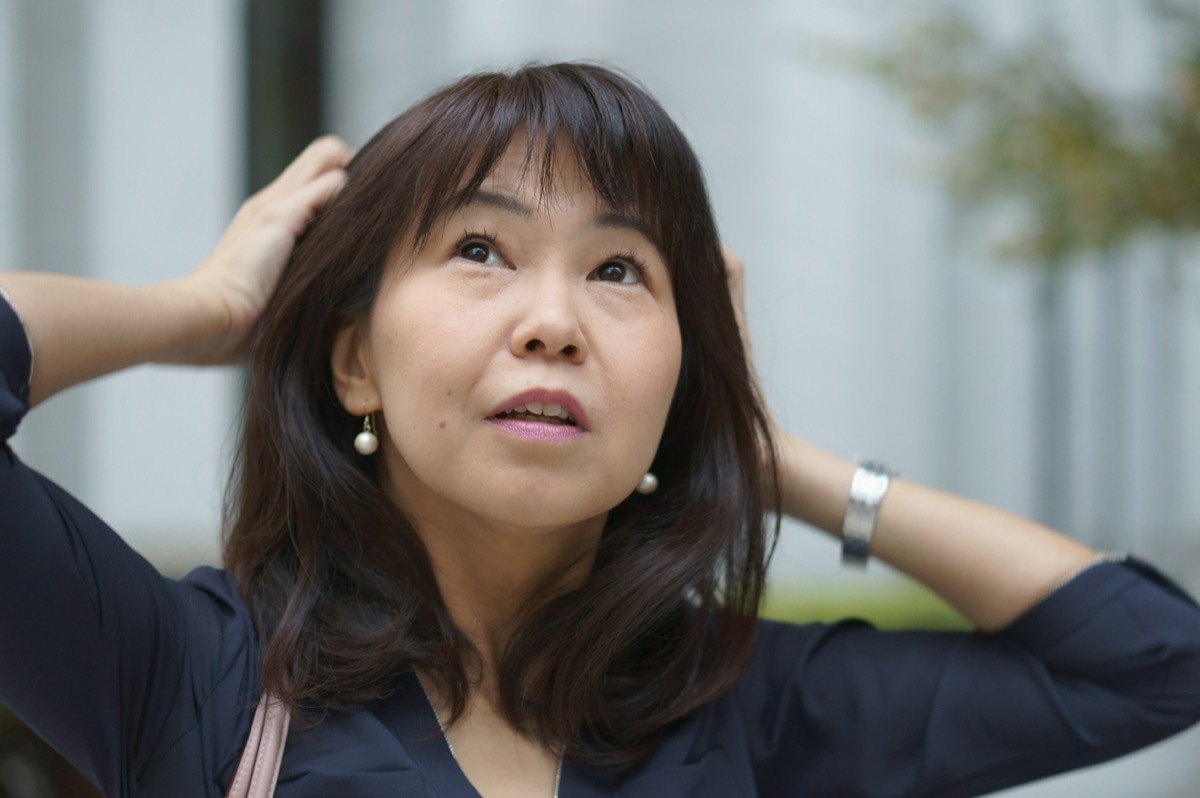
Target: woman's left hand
{"x": 735, "y": 274}
{"x": 990, "y": 565}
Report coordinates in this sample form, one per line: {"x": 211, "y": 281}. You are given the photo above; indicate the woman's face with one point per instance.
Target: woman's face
{"x": 523, "y": 360}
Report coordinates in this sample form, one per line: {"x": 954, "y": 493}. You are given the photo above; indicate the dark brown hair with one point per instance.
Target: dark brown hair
{"x": 340, "y": 586}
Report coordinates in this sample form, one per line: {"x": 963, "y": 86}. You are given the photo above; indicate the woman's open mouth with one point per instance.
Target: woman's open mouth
{"x": 539, "y": 413}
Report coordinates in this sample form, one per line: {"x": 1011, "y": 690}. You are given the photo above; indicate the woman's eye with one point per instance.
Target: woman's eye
{"x": 614, "y": 271}
{"x": 479, "y": 252}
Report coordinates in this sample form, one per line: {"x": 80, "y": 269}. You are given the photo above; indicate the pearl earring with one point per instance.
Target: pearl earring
{"x": 648, "y": 485}
{"x": 366, "y": 442}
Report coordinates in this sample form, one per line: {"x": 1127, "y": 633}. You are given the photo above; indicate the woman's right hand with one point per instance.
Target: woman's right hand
{"x": 235, "y": 281}
{"x": 81, "y": 329}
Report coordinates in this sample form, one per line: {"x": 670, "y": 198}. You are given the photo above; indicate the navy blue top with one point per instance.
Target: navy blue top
{"x": 148, "y": 685}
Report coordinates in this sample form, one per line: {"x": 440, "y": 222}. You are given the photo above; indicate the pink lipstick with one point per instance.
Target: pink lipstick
{"x": 537, "y": 430}
{"x": 541, "y": 415}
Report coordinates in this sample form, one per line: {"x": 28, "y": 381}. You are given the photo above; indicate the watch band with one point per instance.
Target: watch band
{"x": 867, "y": 490}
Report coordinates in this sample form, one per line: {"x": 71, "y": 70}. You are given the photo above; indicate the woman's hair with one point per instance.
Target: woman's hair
{"x": 338, "y": 583}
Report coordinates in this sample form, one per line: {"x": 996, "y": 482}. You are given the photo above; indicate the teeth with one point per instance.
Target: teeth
{"x": 542, "y": 409}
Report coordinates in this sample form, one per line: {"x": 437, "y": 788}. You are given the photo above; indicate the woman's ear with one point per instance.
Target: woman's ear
{"x": 352, "y": 379}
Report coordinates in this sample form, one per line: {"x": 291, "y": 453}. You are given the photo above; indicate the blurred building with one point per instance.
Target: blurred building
{"x": 883, "y": 324}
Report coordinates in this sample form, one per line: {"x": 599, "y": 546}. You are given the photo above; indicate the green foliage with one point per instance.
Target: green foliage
{"x": 894, "y": 604}
{"x": 1029, "y": 131}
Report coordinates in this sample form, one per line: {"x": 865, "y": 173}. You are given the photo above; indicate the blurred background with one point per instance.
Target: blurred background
{"x": 969, "y": 229}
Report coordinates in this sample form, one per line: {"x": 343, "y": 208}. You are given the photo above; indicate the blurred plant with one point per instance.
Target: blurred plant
{"x": 1171, "y": 189}
{"x": 1083, "y": 169}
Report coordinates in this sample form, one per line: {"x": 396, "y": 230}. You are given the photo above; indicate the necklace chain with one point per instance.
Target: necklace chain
{"x": 453, "y": 755}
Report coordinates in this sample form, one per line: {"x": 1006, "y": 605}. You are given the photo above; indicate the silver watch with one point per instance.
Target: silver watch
{"x": 867, "y": 490}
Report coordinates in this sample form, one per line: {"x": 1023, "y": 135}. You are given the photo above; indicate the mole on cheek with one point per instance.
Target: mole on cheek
{"x": 442, "y": 424}
{"x": 449, "y": 391}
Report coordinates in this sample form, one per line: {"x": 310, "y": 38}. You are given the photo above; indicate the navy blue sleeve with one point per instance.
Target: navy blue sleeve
{"x": 1107, "y": 664}
{"x": 16, "y": 365}
{"x": 103, "y": 657}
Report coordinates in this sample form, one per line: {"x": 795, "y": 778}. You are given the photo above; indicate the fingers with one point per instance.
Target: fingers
{"x": 320, "y": 157}
{"x": 733, "y": 264}
{"x": 734, "y": 275}
{"x": 304, "y": 203}
{"x": 301, "y": 190}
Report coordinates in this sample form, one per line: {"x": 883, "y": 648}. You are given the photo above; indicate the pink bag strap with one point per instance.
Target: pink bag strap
{"x": 258, "y": 769}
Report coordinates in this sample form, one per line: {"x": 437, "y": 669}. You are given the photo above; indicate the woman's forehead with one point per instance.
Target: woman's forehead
{"x": 529, "y": 168}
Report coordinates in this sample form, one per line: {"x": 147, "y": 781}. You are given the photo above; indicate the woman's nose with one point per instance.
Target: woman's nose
{"x": 549, "y": 324}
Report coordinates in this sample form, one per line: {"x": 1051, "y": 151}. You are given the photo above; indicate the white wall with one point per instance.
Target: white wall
{"x": 8, "y": 135}
{"x": 152, "y": 136}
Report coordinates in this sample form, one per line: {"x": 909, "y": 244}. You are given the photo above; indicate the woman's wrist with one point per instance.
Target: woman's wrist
{"x": 204, "y": 332}
{"x": 82, "y": 329}
{"x": 815, "y": 483}
{"x": 989, "y": 564}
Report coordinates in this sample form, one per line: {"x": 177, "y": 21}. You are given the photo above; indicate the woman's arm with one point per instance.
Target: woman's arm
{"x": 990, "y": 565}
{"x": 99, "y": 654}
{"x": 81, "y": 329}
{"x": 1106, "y": 665}
{"x": 1103, "y": 666}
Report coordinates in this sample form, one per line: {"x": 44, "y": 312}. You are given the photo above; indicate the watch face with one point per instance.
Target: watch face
{"x": 868, "y": 486}
{"x": 867, "y": 489}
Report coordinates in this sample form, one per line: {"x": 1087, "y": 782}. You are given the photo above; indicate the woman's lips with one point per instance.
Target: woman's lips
{"x": 558, "y": 408}
{"x": 537, "y": 430}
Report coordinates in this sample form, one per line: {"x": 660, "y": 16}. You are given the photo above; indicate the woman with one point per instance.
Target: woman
{"x": 496, "y": 525}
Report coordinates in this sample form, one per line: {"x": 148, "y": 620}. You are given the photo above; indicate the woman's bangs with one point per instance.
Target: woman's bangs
{"x": 613, "y": 140}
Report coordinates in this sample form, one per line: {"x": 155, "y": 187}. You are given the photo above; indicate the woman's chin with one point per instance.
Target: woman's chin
{"x": 549, "y": 516}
